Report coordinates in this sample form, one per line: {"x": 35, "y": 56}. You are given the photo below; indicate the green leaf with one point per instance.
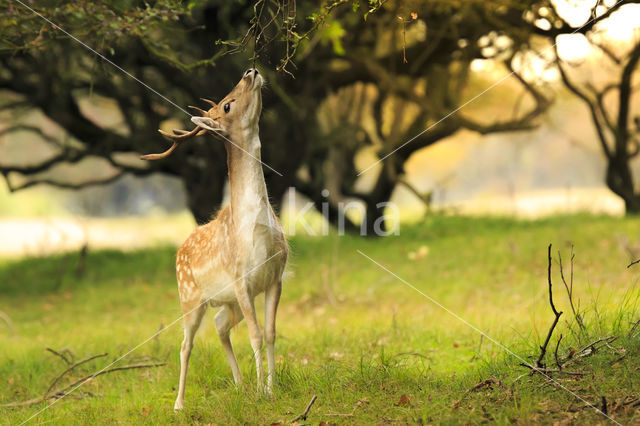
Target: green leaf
{"x": 335, "y": 31}
{"x": 337, "y": 47}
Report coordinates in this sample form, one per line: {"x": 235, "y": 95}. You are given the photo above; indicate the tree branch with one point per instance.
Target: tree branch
{"x": 29, "y": 128}
{"x": 624, "y": 98}
{"x": 525, "y": 122}
{"x": 593, "y": 106}
{"x": 565, "y": 28}
{"x": 70, "y": 157}
{"x": 66, "y": 185}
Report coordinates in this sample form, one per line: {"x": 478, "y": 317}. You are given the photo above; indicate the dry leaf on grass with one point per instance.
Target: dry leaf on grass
{"x": 403, "y": 401}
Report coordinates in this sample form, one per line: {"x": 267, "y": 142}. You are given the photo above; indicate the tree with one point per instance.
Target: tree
{"x": 416, "y": 70}
{"x": 46, "y": 70}
{"x": 609, "y": 103}
{"x": 418, "y": 56}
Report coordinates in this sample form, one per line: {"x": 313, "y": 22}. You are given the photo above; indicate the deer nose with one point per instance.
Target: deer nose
{"x": 251, "y": 70}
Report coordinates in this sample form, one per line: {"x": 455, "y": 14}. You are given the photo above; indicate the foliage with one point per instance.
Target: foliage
{"x": 105, "y": 23}
{"x": 415, "y": 58}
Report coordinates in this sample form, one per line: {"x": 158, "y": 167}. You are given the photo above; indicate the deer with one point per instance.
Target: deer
{"x": 242, "y": 252}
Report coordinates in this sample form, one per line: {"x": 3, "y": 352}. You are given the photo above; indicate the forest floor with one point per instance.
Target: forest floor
{"x": 381, "y": 330}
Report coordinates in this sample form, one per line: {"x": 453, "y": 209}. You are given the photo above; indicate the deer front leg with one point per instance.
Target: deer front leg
{"x": 229, "y": 316}
{"x": 271, "y": 299}
{"x": 245, "y": 301}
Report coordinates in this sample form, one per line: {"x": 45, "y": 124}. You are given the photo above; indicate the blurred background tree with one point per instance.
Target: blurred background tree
{"x": 350, "y": 83}
{"x": 608, "y": 90}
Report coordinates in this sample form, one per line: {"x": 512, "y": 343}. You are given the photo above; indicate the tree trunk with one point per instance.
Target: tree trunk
{"x": 374, "y": 223}
{"x": 632, "y": 206}
{"x": 620, "y": 180}
{"x": 205, "y": 190}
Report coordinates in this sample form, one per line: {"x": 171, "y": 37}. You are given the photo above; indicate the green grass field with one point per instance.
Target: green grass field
{"x": 371, "y": 348}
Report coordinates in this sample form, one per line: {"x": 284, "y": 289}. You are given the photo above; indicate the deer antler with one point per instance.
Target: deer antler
{"x": 177, "y": 138}
{"x": 209, "y": 101}
{"x": 180, "y": 136}
{"x": 202, "y": 112}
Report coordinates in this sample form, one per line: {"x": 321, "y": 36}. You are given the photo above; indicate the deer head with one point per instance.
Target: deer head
{"x": 237, "y": 112}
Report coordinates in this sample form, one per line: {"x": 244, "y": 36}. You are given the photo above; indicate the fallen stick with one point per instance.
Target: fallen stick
{"x": 545, "y": 371}
{"x": 359, "y": 403}
{"x": 304, "y": 415}
{"x": 555, "y": 354}
{"x": 71, "y": 368}
{"x": 60, "y": 393}
{"x": 543, "y": 348}
{"x": 61, "y": 355}
{"x": 111, "y": 370}
{"x": 633, "y": 263}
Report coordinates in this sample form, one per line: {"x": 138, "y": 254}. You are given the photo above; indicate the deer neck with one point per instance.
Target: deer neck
{"x": 248, "y": 191}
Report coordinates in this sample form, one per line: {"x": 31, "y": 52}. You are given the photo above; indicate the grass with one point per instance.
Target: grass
{"x": 373, "y": 349}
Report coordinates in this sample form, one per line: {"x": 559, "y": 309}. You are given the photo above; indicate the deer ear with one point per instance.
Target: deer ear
{"x": 209, "y": 124}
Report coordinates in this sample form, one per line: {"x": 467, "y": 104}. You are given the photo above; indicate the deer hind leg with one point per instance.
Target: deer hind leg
{"x": 245, "y": 301}
{"x": 271, "y": 298}
{"x": 193, "y": 310}
{"x": 192, "y": 320}
{"x": 229, "y": 316}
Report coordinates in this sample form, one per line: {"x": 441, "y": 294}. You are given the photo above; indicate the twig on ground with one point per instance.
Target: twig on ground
{"x": 569, "y": 288}
{"x": 60, "y": 354}
{"x": 587, "y": 350}
{"x": 355, "y": 407}
{"x": 593, "y": 346}
{"x": 487, "y": 384}
{"x": 555, "y": 354}
{"x": 633, "y": 263}
{"x": 619, "y": 351}
{"x": 100, "y": 373}
{"x": 543, "y": 348}
{"x": 71, "y": 368}
{"x": 61, "y": 392}
{"x": 520, "y": 377}
{"x": 23, "y": 403}
{"x": 304, "y": 415}
{"x": 547, "y": 371}
{"x": 483, "y": 384}
{"x": 342, "y": 414}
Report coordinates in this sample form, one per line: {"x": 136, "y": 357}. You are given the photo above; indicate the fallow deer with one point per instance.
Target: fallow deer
{"x": 242, "y": 252}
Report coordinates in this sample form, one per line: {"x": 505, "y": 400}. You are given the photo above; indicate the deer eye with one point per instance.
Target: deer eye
{"x": 227, "y": 107}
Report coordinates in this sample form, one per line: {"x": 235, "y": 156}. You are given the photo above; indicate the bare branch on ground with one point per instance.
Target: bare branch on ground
{"x": 60, "y": 355}
{"x": 71, "y": 368}
{"x": 304, "y": 415}
{"x": 569, "y": 288}
{"x": 61, "y": 392}
{"x": 543, "y": 348}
